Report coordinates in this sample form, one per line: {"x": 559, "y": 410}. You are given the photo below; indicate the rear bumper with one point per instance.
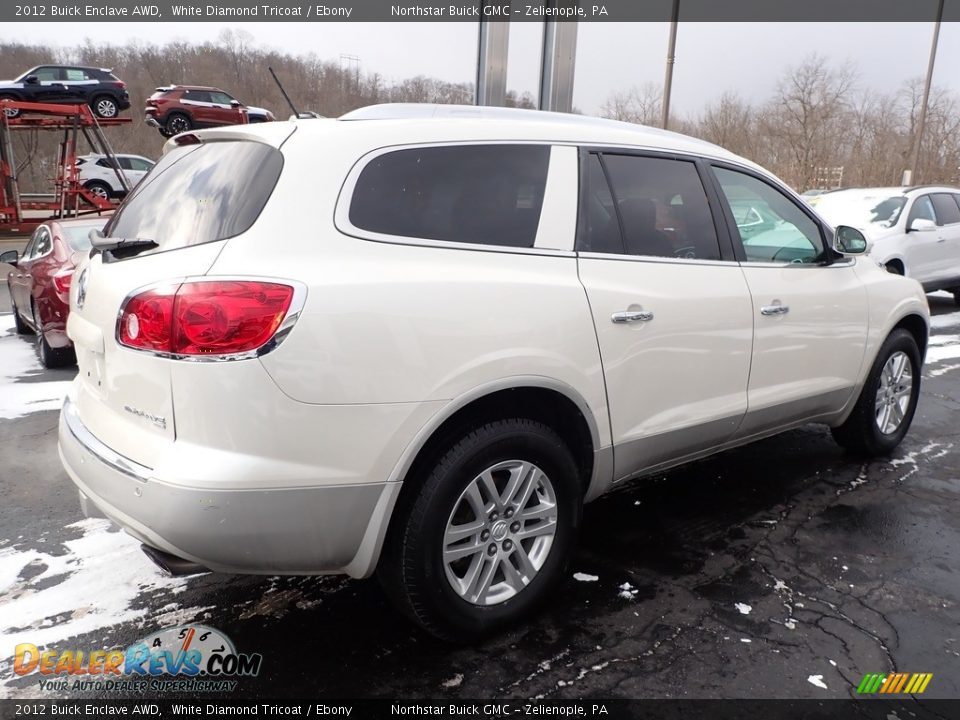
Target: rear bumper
{"x": 152, "y": 121}
{"x": 294, "y": 530}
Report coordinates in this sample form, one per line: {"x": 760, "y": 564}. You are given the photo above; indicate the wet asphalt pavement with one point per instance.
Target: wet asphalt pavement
{"x": 785, "y": 569}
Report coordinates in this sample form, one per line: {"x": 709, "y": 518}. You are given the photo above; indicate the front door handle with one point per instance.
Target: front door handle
{"x": 630, "y": 316}
{"x": 777, "y": 309}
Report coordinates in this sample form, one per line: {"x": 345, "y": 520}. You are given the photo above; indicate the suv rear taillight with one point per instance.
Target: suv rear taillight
{"x": 212, "y": 318}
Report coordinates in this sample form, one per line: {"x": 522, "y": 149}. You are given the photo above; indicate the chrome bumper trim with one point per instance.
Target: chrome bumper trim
{"x": 101, "y": 452}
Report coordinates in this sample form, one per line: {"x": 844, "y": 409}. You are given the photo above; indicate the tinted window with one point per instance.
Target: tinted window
{"x": 662, "y": 207}
{"x": 220, "y": 97}
{"x": 124, "y": 162}
{"x": 922, "y": 210}
{"x": 140, "y": 164}
{"x": 600, "y": 226}
{"x": 75, "y": 74}
{"x": 486, "y": 194}
{"x": 947, "y": 210}
{"x": 200, "y": 193}
{"x": 197, "y": 95}
{"x": 771, "y": 226}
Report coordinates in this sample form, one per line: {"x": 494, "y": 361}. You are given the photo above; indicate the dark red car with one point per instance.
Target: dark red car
{"x": 178, "y": 108}
{"x": 39, "y": 284}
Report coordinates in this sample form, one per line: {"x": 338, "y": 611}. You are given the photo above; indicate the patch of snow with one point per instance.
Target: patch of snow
{"x": 746, "y": 640}
{"x": 743, "y": 608}
{"x": 833, "y": 662}
{"x": 790, "y": 624}
{"x": 583, "y": 577}
{"x": 453, "y": 682}
{"x": 817, "y": 680}
{"x": 92, "y": 585}
{"x": 627, "y": 591}
{"x": 18, "y": 359}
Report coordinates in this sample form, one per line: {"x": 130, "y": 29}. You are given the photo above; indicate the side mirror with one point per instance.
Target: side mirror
{"x": 922, "y": 225}
{"x": 849, "y": 241}
{"x": 235, "y": 103}
{"x": 31, "y": 80}
{"x": 11, "y": 257}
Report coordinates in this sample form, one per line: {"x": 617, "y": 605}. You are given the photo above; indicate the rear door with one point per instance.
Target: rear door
{"x": 809, "y": 318}
{"x": 671, "y": 309}
{"x": 200, "y": 197}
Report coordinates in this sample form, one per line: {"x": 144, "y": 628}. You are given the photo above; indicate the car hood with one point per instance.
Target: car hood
{"x": 258, "y": 110}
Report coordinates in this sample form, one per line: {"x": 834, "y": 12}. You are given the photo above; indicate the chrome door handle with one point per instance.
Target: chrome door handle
{"x": 774, "y": 309}
{"x": 630, "y": 316}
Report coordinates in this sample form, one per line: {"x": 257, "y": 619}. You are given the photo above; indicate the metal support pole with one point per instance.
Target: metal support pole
{"x": 558, "y": 61}
{"x": 671, "y": 59}
{"x": 922, "y": 119}
{"x": 492, "y": 52}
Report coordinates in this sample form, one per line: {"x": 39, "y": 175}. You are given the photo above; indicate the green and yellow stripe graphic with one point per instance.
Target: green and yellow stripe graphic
{"x": 907, "y": 683}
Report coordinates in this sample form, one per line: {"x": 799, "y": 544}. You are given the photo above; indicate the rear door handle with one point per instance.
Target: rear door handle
{"x": 775, "y": 309}
{"x": 630, "y": 316}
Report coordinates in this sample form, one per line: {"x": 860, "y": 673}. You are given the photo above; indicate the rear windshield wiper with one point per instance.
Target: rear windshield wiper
{"x": 118, "y": 248}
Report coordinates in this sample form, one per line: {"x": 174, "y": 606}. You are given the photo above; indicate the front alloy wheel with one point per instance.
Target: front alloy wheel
{"x": 893, "y": 393}
{"x": 500, "y": 532}
{"x": 883, "y": 413}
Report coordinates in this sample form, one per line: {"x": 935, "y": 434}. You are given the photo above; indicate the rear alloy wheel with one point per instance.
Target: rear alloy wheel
{"x": 105, "y": 106}
{"x": 101, "y": 190}
{"x": 888, "y": 400}
{"x": 489, "y": 534}
{"x": 178, "y": 123}
{"x": 51, "y": 357}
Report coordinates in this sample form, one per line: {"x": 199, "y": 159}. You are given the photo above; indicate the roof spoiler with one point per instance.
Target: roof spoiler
{"x": 165, "y": 88}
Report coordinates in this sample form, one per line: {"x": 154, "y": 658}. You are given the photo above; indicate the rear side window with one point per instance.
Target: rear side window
{"x": 652, "y": 207}
{"x": 483, "y": 194}
{"x": 199, "y": 193}
{"x": 947, "y": 211}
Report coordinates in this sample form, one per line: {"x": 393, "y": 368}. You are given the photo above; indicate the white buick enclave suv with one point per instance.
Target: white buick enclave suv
{"x": 423, "y": 359}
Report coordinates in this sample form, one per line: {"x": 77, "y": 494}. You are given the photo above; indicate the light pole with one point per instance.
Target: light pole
{"x": 671, "y": 58}
{"x": 922, "y": 118}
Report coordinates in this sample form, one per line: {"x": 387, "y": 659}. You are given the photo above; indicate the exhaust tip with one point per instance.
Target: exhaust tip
{"x": 171, "y": 564}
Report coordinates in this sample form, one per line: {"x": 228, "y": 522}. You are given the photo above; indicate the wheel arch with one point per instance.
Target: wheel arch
{"x": 553, "y": 403}
{"x": 917, "y": 326}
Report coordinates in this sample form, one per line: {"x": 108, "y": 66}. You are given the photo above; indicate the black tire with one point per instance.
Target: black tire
{"x": 21, "y": 327}
{"x": 99, "y": 188}
{"x": 51, "y": 357}
{"x": 104, "y": 106}
{"x": 176, "y": 123}
{"x": 861, "y": 432}
{"x": 411, "y": 568}
{"x": 956, "y": 296}
{"x": 11, "y": 113}
{"x": 894, "y": 268}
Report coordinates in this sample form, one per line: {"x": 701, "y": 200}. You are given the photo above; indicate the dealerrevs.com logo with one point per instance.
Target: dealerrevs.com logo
{"x": 187, "y": 658}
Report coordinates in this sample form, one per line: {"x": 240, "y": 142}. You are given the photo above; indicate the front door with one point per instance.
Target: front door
{"x": 672, "y": 314}
{"x": 809, "y": 318}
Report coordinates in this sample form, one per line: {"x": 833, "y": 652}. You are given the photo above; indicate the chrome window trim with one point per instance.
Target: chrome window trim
{"x": 697, "y": 261}
{"x": 101, "y": 452}
{"x": 341, "y": 213}
{"x": 297, "y": 304}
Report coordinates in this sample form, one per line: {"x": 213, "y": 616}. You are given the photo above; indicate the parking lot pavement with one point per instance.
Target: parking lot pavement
{"x": 782, "y": 569}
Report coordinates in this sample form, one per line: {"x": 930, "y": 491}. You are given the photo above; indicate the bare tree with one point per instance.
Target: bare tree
{"x": 637, "y": 105}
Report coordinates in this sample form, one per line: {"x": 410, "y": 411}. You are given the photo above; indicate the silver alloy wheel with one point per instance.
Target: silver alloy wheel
{"x": 178, "y": 125}
{"x": 106, "y": 108}
{"x": 100, "y": 191}
{"x": 894, "y": 392}
{"x": 500, "y": 532}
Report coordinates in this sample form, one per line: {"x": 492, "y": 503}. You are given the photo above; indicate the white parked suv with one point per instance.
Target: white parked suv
{"x": 422, "y": 360}
{"x": 912, "y": 231}
{"x": 98, "y": 174}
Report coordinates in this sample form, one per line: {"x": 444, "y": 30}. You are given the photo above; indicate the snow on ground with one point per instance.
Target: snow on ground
{"x": 87, "y": 584}
{"x": 18, "y": 359}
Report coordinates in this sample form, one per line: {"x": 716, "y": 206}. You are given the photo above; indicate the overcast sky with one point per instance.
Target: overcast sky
{"x": 711, "y": 57}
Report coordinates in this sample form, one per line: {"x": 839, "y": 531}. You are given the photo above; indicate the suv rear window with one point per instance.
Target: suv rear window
{"x": 484, "y": 194}
{"x": 200, "y": 193}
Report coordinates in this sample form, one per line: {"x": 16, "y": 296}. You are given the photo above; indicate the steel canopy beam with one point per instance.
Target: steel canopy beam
{"x": 492, "y": 53}
{"x": 558, "y": 60}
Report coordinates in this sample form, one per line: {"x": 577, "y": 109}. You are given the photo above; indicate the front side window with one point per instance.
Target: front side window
{"x": 482, "y": 194}
{"x": 922, "y": 210}
{"x": 947, "y": 211}
{"x": 48, "y": 74}
{"x": 139, "y": 164}
{"x": 771, "y": 226}
{"x": 652, "y": 206}
{"x": 220, "y": 97}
